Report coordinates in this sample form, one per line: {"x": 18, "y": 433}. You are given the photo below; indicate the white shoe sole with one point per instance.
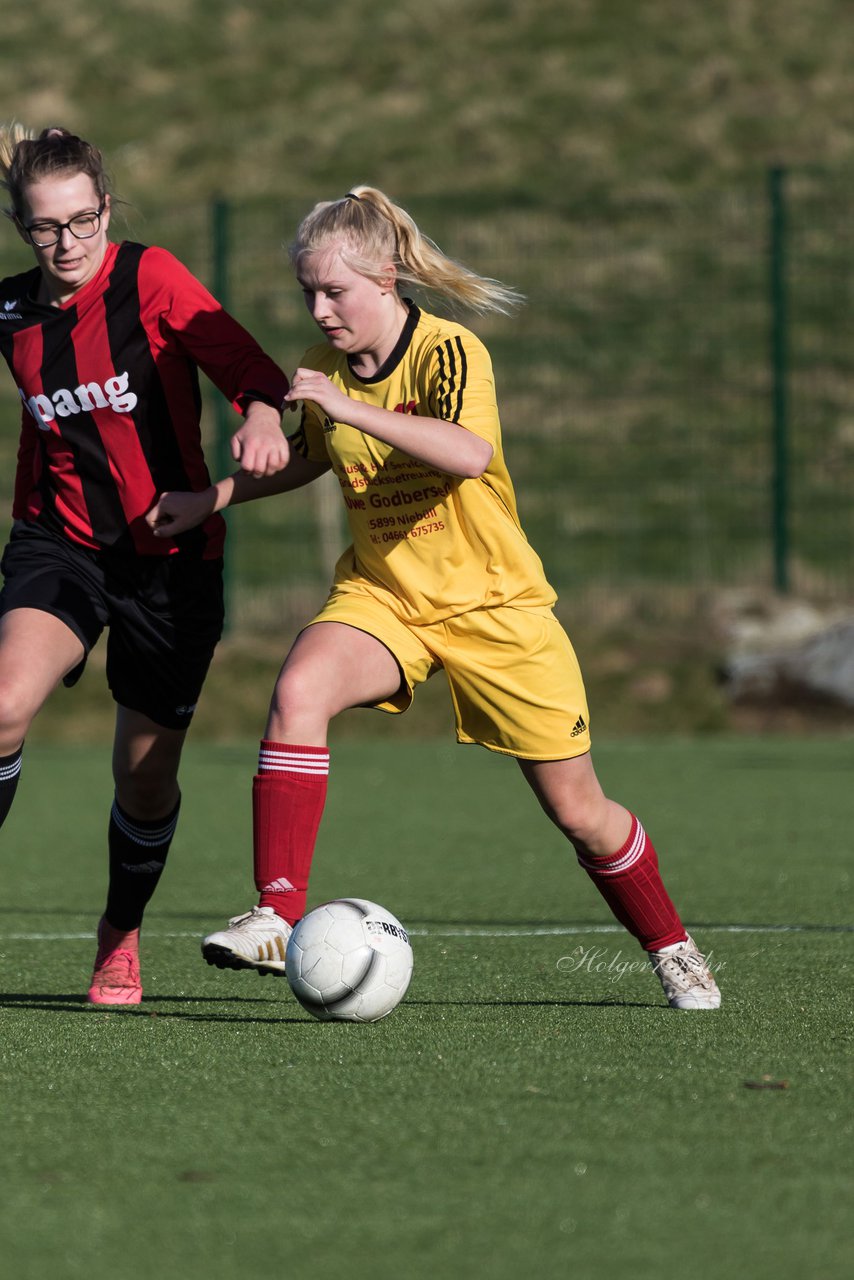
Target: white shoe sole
{"x": 224, "y": 958}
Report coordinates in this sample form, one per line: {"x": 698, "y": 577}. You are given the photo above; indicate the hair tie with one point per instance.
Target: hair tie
{"x": 351, "y": 195}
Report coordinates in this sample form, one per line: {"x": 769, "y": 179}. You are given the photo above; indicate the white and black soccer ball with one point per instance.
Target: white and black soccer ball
{"x": 349, "y": 960}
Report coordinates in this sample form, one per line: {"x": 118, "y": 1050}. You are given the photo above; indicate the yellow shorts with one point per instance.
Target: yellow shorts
{"x": 514, "y": 678}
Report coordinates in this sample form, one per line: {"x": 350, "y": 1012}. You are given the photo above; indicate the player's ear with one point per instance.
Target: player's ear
{"x": 388, "y": 280}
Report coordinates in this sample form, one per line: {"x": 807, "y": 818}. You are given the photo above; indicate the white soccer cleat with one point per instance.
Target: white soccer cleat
{"x": 685, "y": 976}
{"x": 257, "y": 940}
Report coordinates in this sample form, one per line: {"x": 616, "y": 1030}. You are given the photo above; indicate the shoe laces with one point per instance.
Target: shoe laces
{"x": 121, "y": 961}
{"x": 684, "y": 965}
{"x": 251, "y": 919}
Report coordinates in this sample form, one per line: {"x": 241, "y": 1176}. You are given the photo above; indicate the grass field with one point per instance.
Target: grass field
{"x": 531, "y": 1107}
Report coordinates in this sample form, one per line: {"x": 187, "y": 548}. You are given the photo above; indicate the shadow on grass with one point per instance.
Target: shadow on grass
{"x": 76, "y": 1003}
{"x": 56, "y": 1003}
{"x": 542, "y": 1004}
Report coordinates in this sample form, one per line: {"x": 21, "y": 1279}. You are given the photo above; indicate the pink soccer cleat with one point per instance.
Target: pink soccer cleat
{"x": 116, "y": 979}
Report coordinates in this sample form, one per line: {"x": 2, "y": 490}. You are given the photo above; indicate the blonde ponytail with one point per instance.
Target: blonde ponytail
{"x": 373, "y": 231}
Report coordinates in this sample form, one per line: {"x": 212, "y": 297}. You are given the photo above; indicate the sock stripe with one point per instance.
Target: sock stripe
{"x": 621, "y": 861}
{"x": 149, "y": 837}
{"x": 272, "y": 760}
{"x": 10, "y": 771}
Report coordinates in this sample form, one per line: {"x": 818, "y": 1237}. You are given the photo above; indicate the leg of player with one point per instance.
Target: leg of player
{"x": 620, "y": 859}
{"x": 330, "y": 668}
{"x": 36, "y": 651}
{"x": 142, "y": 823}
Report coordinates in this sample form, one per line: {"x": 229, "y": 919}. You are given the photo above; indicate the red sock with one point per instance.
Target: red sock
{"x": 630, "y": 883}
{"x": 288, "y": 795}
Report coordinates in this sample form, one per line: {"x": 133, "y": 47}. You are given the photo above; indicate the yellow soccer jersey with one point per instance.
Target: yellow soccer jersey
{"x": 430, "y": 545}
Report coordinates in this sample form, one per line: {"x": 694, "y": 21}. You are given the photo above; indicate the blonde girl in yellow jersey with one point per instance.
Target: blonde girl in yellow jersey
{"x": 400, "y": 405}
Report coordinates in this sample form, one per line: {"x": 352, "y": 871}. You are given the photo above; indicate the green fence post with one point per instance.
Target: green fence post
{"x": 220, "y": 215}
{"x": 779, "y": 376}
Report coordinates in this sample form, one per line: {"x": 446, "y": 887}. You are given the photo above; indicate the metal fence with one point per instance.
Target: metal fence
{"x": 677, "y": 395}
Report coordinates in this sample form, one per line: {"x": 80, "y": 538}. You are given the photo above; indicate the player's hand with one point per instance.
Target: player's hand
{"x": 174, "y": 513}
{"x": 260, "y": 445}
{"x": 311, "y": 384}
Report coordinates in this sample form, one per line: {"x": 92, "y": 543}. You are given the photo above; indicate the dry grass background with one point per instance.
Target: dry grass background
{"x": 546, "y": 97}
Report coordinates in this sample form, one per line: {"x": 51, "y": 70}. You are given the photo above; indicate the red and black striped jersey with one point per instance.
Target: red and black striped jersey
{"x": 111, "y": 399}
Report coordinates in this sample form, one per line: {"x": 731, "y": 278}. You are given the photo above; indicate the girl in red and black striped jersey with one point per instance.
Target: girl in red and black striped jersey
{"x": 400, "y": 405}
{"x": 104, "y": 341}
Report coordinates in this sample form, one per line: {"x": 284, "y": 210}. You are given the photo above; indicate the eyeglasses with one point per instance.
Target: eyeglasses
{"x": 83, "y": 226}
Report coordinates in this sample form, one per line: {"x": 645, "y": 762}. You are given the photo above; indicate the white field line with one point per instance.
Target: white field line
{"x": 472, "y": 931}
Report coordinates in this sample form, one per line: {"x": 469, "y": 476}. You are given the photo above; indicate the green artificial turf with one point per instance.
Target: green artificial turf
{"x": 533, "y": 1106}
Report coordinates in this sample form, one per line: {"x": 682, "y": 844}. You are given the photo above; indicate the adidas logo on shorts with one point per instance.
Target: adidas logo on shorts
{"x": 580, "y": 727}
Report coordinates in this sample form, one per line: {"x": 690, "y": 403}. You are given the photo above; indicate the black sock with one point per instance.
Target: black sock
{"x": 10, "y": 772}
{"x": 138, "y": 852}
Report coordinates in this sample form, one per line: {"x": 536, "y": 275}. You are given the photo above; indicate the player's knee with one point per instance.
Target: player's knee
{"x": 141, "y": 791}
{"x": 582, "y": 820}
{"x": 16, "y": 715}
{"x": 300, "y": 697}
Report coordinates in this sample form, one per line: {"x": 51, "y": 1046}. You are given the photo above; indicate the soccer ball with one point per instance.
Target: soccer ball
{"x": 349, "y": 960}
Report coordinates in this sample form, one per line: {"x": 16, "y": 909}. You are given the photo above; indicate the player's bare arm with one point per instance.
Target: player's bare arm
{"x": 177, "y": 511}
{"x": 446, "y": 445}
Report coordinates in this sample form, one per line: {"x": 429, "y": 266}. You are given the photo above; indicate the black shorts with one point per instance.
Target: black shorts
{"x": 164, "y": 613}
